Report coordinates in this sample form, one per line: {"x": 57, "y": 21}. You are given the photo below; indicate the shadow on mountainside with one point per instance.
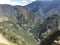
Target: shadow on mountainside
{"x": 49, "y": 40}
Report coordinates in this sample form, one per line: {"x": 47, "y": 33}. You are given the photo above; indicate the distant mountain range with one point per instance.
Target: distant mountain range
{"x": 32, "y": 22}
{"x": 42, "y": 7}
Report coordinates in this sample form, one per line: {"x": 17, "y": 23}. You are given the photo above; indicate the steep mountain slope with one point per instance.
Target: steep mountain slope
{"x": 7, "y": 10}
{"x": 53, "y": 11}
{"x": 29, "y": 24}
{"x": 15, "y": 22}
{"x": 21, "y": 14}
{"x": 27, "y": 17}
{"x": 52, "y": 39}
{"x": 14, "y": 33}
{"x": 50, "y": 25}
{"x": 46, "y": 10}
{"x": 42, "y": 7}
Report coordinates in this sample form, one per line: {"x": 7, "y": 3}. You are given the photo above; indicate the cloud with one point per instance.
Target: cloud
{"x": 16, "y": 2}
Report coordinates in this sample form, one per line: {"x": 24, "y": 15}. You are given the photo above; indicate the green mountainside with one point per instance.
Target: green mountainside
{"x": 16, "y": 23}
{"x": 14, "y": 33}
{"x": 30, "y": 24}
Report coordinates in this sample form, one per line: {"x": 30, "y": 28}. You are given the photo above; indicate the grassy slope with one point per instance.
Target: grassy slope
{"x": 11, "y": 31}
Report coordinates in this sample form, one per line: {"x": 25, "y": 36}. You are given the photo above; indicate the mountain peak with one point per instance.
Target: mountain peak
{"x": 44, "y": 0}
{"x": 47, "y": 0}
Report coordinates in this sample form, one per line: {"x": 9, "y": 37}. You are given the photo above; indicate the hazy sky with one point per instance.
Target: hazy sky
{"x": 18, "y": 2}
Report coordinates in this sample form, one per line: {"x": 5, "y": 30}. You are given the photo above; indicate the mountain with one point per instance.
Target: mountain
{"x": 45, "y": 10}
{"x": 53, "y": 11}
{"x": 30, "y": 24}
{"x": 49, "y": 14}
{"x": 42, "y": 7}
{"x": 13, "y": 33}
{"x": 51, "y": 24}
{"x": 7, "y": 10}
{"x": 15, "y": 23}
